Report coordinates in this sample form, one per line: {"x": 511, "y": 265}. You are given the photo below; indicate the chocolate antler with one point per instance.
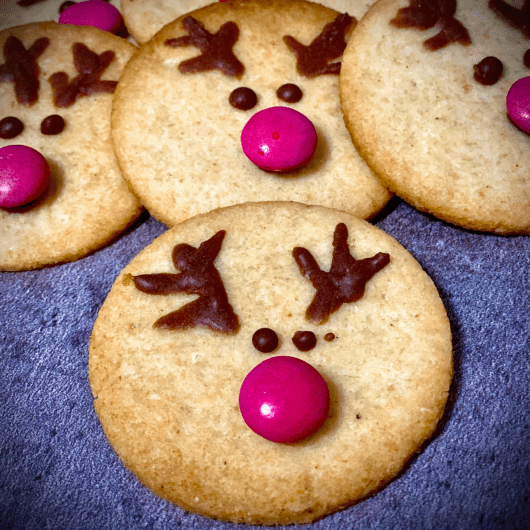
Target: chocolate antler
{"x": 216, "y": 48}
{"x": 21, "y": 68}
{"x": 314, "y": 60}
{"x": 425, "y": 14}
{"x": 518, "y": 17}
{"x": 346, "y": 280}
{"x": 198, "y": 276}
{"x": 90, "y": 66}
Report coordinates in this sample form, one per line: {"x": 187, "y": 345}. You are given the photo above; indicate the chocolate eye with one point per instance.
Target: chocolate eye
{"x": 51, "y": 125}
{"x": 10, "y": 127}
{"x": 243, "y": 98}
{"x": 265, "y": 340}
{"x": 304, "y": 340}
{"x": 488, "y": 71}
{"x": 290, "y": 93}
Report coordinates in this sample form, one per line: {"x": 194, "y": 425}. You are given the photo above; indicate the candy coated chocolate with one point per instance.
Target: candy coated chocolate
{"x": 94, "y": 13}
{"x": 284, "y": 399}
{"x": 518, "y": 103}
{"x": 24, "y": 175}
{"x": 279, "y": 139}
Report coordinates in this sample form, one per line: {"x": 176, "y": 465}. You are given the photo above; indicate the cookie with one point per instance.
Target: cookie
{"x": 426, "y": 108}
{"x": 167, "y": 370}
{"x": 145, "y": 18}
{"x": 62, "y": 110}
{"x": 178, "y": 117}
{"x": 20, "y": 12}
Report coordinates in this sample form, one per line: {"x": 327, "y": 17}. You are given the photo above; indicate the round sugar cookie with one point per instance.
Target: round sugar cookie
{"x": 178, "y": 138}
{"x": 166, "y": 370}
{"x": 87, "y": 202}
{"x": 145, "y": 17}
{"x": 433, "y": 133}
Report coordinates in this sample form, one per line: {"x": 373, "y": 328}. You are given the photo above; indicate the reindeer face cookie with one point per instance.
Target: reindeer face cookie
{"x": 56, "y": 88}
{"x": 322, "y": 313}
{"x": 184, "y": 100}
{"x": 424, "y": 92}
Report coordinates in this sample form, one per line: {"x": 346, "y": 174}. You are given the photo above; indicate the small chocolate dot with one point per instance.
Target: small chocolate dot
{"x": 290, "y": 93}
{"x": 488, "y": 71}
{"x": 265, "y": 340}
{"x": 53, "y": 124}
{"x": 329, "y": 337}
{"x": 10, "y": 127}
{"x": 304, "y": 340}
{"x": 526, "y": 58}
{"x": 358, "y": 416}
{"x": 243, "y": 98}
{"x": 65, "y": 5}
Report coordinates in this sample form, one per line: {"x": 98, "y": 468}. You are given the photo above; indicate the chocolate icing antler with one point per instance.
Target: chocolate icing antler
{"x": 425, "y": 14}
{"x": 198, "y": 276}
{"x": 346, "y": 280}
{"x": 314, "y": 60}
{"x": 216, "y": 48}
{"x": 21, "y": 68}
{"x": 90, "y": 66}
{"x": 520, "y": 18}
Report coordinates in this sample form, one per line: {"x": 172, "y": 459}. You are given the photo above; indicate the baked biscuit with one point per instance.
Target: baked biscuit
{"x": 177, "y": 136}
{"x": 87, "y": 202}
{"x": 429, "y": 116}
{"x": 166, "y": 373}
{"x": 145, "y": 17}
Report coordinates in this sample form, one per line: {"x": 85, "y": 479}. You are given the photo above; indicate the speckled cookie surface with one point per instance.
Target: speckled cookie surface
{"x": 437, "y": 137}
{"x": 168, "y": 399}
{"x": 177, "y": 137}
{"x": 145, "y": 17}
{"x": 87, "y": 202}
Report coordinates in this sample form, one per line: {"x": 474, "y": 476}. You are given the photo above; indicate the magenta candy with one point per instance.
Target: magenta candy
{"x": 279, "y": 139}
{"x": 284, "y": 399}
{"x": 24, "y": 175}
{"x": 518, "y": 103}
{"x": 94, "y": 13}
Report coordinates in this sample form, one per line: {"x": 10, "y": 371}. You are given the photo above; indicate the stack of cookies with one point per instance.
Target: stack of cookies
{"x": 265, "y": 258}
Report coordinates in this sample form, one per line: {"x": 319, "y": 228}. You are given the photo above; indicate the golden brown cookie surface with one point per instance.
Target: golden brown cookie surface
{"x": 87, "y": 202}
{"x": 177, "y": 137}
{"x": 144, "y": 18}
{"x": 434, "y": 134}
{"x": 168, "y": 399}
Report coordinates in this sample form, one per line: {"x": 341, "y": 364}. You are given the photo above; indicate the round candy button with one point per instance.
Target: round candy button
{"x": 94, "y": 13}
{"x": 284, "y": 399}
{"x": 24, "y": 175}
{"x": 279, "y": 139}
{"x": 518, "y": 103}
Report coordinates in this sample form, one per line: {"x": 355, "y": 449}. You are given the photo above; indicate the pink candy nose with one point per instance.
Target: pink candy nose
{"x": 518, "y": 103}
{"x": 284, "y": 399}
{"x": 94, "y": 13}
{"x": 24, "y": 175}
{"x": 279, "y": 139}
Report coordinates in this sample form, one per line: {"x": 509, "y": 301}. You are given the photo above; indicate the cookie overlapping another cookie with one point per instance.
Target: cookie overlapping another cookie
{"x": 184, "y": 100}
{"x": 56, "y": 89}
{"x": 168, "y": 387}
{"x": 424, "y": 89}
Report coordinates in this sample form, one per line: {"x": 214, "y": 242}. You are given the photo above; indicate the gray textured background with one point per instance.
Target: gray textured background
{"x": 57, "y": 471}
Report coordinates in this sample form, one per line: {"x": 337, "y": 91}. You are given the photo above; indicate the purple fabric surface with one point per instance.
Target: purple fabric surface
{"x": 57, "y": 471}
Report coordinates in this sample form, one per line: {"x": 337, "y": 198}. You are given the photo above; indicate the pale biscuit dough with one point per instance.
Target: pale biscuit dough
{"x": 177, "y": 138}
{"x": 88, "y": 202}
{"x": 145, "y": 17}
{"x": 13, "y": 14}
{"x": 434, "y": 135}
{"x": 168, "y": 400}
